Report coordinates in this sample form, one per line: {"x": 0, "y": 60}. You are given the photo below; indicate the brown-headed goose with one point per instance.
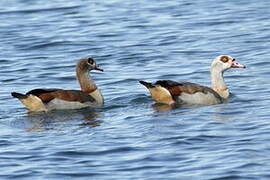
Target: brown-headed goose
{"x": 171, "y": 92}
{"x": 49, "y": 99}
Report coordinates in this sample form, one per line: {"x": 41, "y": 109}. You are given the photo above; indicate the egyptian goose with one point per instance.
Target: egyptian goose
{"x": 49, "y": 99}
{"x": 172, "y": 93}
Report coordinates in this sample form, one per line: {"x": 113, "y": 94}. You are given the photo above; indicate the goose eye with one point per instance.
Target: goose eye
{"x": 90, "y": 61}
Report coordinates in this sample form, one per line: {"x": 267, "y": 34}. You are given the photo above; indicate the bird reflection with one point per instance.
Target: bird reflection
{"x": 56, "y": 120}
{"x": 166, "y": 107}
{"x": 162, "y": 107}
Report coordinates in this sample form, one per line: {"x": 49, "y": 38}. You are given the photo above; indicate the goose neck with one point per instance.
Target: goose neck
{"x": 218, "y": 83}
{"x": 86, "y": 82}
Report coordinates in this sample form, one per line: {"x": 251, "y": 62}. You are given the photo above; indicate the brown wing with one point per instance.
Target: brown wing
{"x": 46, "y": 95}
{"x": 38, "y": 92}
{"x": 177, "y": 88}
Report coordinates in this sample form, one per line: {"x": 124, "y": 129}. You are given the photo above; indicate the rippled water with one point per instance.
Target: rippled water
{"x": 130, "y": 138}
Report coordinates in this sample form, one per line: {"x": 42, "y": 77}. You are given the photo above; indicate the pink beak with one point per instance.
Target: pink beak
{"x": 235, "y": 64}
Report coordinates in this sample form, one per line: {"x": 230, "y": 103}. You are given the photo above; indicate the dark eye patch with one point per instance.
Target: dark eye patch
{"x": 224, "y": 59}
{"x": 90, "y": 61}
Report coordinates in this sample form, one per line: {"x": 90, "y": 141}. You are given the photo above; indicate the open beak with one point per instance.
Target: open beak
{"x": 98, "y": 68}
{"x": 235, "y": 64}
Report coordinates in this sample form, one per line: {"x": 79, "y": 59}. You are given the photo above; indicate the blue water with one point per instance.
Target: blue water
{"x": 130, "y": 137}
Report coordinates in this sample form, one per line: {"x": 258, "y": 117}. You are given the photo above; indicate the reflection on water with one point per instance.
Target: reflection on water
{"x": 215, "y": 113}
{"x": 56, "y": 120}
{"x": 162, "y": 107}
{"x": 131, "y": 138}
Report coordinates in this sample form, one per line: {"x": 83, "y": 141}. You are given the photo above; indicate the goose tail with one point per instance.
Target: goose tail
{"x": 147, "y": 84}
{"x": 18, "y": 95}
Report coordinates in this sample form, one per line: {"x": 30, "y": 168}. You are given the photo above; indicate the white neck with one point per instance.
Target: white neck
{"x": 218, "y": 83}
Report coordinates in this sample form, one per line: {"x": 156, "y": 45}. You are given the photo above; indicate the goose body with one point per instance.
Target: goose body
{"x": 50, "y": 99}
{"x": 171, "y": 92}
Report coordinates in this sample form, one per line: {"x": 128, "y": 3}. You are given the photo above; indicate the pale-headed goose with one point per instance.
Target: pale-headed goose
{"x": 49, "y": 99}
{"x": 171, "y": 92}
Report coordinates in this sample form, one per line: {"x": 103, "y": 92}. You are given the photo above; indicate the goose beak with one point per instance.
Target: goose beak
{"x": 235, "y": 64}
{"x": 98, "y": 68}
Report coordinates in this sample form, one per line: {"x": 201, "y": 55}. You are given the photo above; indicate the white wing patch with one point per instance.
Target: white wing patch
{"x": 62, "y": 104}
{"x": 198, "y": 98}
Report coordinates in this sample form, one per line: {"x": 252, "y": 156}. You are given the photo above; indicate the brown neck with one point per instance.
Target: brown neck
{"x": 86, "y": 82}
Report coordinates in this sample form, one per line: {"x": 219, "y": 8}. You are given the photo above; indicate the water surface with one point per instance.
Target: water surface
{"x": 130, "y": 138}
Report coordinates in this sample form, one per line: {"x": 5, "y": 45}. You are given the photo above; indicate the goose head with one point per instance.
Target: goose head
{"x": 225, "y": 62}
{"x": 87, "y": 64}
{"x": 219, "y": 65}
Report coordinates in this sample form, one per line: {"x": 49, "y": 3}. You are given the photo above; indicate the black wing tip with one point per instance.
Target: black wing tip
{"x": 167, "y": 83}
{"x": 146, "y": 84}
{"x": 37, "y": 92}
{"x": 18, "y": 95}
